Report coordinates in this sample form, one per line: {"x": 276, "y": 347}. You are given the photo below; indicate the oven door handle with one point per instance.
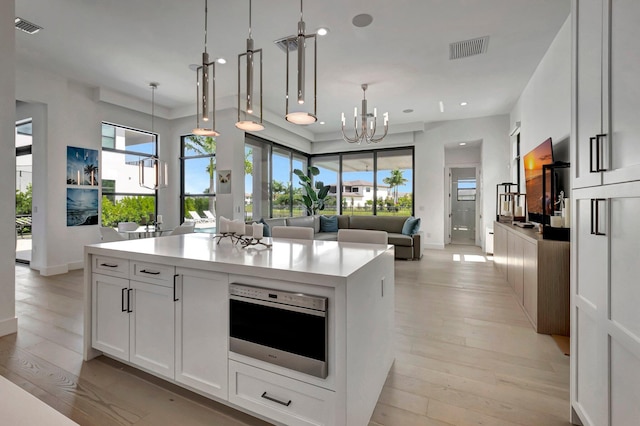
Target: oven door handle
{"x": 277, "y": 305}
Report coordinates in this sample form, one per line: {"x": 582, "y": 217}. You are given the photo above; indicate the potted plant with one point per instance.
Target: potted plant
{"x": 313, "y": 198}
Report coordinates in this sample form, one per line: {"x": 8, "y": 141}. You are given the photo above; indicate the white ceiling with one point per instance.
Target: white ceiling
{"x": 122, "y": 45}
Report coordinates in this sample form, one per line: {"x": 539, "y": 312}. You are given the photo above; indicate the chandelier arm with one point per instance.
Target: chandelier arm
{"x": 348, "y": 139}
{"x": 376, "y": 140}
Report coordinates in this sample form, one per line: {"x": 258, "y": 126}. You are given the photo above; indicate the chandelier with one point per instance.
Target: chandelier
{"x": 366, "y": 129}
{"x": 248, "y": 123}
{"x": 153, "y": 172}
{"x": 203, "y": 93}
{"x": 300, "y": 116}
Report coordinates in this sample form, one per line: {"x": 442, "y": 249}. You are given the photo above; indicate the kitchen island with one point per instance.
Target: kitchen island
{"x": 163, "y": 305}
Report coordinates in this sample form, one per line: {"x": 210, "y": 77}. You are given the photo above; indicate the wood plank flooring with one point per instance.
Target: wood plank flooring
{"x": 465, "y": 355}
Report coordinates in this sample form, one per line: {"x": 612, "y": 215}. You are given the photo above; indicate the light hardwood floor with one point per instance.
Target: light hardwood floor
{"x": 465, "y": 355}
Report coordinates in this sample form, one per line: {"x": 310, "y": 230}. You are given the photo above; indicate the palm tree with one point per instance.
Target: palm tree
{"x": 394, "y": 181}
{"x": 91, "y": 170}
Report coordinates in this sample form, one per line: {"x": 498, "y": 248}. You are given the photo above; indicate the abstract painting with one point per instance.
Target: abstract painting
{"x": 82, "y": 166}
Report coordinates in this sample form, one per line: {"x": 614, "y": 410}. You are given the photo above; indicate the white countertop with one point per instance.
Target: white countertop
{"x": 311, "y": 258}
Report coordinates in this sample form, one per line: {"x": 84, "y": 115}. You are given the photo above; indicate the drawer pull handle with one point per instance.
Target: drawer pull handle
{"x": 270, "y": 398}
{"x": 109, "y": 265}
{"x": 144, "y": 271}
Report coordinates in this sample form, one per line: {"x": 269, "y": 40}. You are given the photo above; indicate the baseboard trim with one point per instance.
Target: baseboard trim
{"x": 76, "y": 265}
{"x": 54, "y": 270}
{"x": 429, "y": 246}
{"x": 8, "y": 326}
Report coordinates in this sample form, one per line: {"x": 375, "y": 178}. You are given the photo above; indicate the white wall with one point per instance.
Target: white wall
{"x": 544, "y": 107}
{"x": 8, "y": 321}
{"x": 69, "y": 115}
{"x": 431, "y": 185}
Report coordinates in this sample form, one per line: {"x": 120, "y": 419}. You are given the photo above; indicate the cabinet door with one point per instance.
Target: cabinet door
{"x": 587, "y": 112}
{"x": 514, "y": 268}
{"x": 152, "y": 327}
{"x": 621, "y": 89}
{"x": 530, "y": 281}
{"x": 202, "y": 327}
{"x": 500, "y": 248}
{"x": 588, "y": 317}
{"x": 110, "y": 320}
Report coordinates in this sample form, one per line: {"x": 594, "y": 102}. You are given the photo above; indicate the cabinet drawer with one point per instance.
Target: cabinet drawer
{"x": 152, "y": 273}
{"x": 280, "y": 398}
{"x": 111, "y": 266}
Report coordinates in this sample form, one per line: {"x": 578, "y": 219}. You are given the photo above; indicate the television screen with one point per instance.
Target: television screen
{"x": 533, "y": 162}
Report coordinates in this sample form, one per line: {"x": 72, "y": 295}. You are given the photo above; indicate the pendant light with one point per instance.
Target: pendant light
{"x": 302, "y": 117}
{"x": 206, "y": 92}
{"x": 248, "y": 124}
{"x": 159, "y": 175}
{"x": 365, "y": 130}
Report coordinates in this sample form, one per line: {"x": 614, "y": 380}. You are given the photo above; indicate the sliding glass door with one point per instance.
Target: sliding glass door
{"x": 24, "y": 190}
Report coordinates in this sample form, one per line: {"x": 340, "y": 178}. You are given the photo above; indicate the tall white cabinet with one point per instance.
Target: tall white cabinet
{"x": 605, "y": 316}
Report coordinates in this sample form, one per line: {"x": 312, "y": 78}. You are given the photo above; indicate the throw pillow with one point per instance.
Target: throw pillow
{"x": 411, "y": 225}
{"x": 328, "y": 223}
{"x": 266, "y": 231}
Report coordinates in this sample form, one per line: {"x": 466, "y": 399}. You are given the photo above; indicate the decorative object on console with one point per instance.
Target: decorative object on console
{"x": 158, "y": 168}
{"x": 203, "y": 94}
{"x": 298, "y": 43}
{"x": 367, "y": 130}
{"x": 312, "y": 200}
{"x": 553, "y": 227}
{"x": 249, "y": 124}
{"x": 505, "y": 202}
{"x": 256, "y": 237}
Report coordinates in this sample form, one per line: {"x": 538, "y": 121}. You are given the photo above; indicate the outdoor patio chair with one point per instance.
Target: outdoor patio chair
{"x": 196, "y": 217}
{"x": 210, "y": 216}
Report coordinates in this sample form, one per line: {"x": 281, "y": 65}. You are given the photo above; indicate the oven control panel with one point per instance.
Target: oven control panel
{"x": 317, "y": 303}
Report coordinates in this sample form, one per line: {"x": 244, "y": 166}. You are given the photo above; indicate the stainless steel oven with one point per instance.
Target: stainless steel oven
{"x": 280, "y": 327}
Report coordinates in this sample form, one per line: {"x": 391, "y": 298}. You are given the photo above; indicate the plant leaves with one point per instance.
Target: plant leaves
{"x": 314, "y": 171}
{"x": 323, "y": 192}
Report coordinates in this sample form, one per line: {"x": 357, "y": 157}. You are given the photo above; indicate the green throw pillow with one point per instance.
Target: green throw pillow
{"x": 411, "y": 225}
{"x": 328, "y": 223}
{"x": 266, "y": 230}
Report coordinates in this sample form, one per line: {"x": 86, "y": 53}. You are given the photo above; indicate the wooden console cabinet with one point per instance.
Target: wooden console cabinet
{"x": 538, "y": 272}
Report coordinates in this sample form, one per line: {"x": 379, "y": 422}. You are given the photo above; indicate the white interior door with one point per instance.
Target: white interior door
{"x": 464, "y": 198}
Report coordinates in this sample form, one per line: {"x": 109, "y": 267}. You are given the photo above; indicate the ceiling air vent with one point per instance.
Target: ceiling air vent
{"x": 26, "y": 26}
{"x": 290, "y": 42}
{"x": 466, "y": 48}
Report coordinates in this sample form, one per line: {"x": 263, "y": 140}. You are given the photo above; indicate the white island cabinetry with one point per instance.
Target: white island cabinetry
{"x": 162, "y": 305}
{"x": 202, "y": 325}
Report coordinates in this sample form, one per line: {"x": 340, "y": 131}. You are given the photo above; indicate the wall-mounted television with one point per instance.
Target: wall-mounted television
{"x": 533, "y": 162}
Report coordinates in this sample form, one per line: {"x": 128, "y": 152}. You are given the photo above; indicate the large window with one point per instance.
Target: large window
{"x": 271, "y": 188}
{"x": 198, "y": 186}
{"x": 123, "y": 199}
{"x": 376, "y": 182}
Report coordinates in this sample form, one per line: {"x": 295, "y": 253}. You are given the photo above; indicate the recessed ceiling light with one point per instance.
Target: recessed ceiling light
{"x": 463, "y": 143}
{"x": 322, "y": 122}
{"x": 407, "y": 111}
{"x": 322, "y": 31}
{"x": 441, "y": 106}
{"x": 221, "y": 61}
{"x": 362, "y": 20}
{"x": 463, "y": 104}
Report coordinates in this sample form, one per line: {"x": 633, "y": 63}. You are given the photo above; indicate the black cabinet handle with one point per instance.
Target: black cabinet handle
{"x": 593, "y": 169}
{"x": 265, "y": 396}
{"x": 144, "y": 271}
{"x": 122, "y": 300}
{"x": 129, "y": 300}
{"x": 595, "y": 216}
{"x": 109, "y": 265}
{"x": 175, "y": 299}
{"x": 597, "y": 143}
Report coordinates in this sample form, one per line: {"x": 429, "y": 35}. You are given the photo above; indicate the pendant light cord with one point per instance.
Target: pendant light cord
{"x": 206, "y": 9}
{"x": 301, "y": 10}
{"x": 249, "y": 18}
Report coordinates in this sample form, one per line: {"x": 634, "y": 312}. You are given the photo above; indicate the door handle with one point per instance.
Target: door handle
{"x": 600, "y": 152}
{"x": 595, "y": 216}
{"x": 175, "y": 277}
{"x": 122, "y": 299}
{"x": 129, "y": 300}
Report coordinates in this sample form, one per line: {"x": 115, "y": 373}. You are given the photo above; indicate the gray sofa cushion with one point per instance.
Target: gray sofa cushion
{"x": 279, "y": 221}
{"x": 400, "y": 239}
{"x": 391, "y": 224}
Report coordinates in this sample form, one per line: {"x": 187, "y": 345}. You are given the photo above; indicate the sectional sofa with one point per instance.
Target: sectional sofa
{"x": 406, "y": 246}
